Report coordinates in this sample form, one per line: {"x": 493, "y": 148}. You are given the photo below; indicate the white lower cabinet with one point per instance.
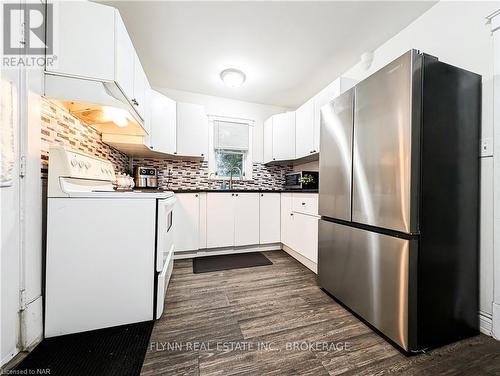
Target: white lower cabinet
{"x": 246, "y": 219}
{"x": 270, "y": 218}
{"x": 220, "y": 220}
{"x": 188, "y": 222}
{"x": 232, "y": 219}
{"x": 299, "y": 227}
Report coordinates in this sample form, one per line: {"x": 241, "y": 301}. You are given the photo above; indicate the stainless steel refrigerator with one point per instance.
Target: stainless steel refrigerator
{"x": 399, "y": 200}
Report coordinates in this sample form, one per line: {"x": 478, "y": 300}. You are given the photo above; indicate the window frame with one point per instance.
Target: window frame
{"x": 247, "y": 156}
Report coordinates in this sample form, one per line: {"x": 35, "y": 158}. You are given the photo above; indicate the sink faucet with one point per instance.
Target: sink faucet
{"x": 231, "y": 176}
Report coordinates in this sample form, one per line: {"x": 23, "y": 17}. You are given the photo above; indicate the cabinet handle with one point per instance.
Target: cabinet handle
{"x": 274, "y": 159}
{"x": 134, "y": 102}
{"x": 232, "y": 194}
{"x": 291, "y": 214}
{"x": 303, "y": 203}
{"x": 151, "y": 147}
{"x": 236, "y": 195}
{"x": 196, "y": 195}
{"x": 262, "y": 195}
{"x": 202, "y": 154}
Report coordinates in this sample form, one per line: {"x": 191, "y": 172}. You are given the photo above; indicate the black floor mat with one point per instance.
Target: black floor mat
{"x": 225, "y": 262}
{"x": 113, "y": 351}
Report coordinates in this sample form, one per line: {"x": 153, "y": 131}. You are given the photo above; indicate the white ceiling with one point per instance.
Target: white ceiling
{"x": 288, "y": 50}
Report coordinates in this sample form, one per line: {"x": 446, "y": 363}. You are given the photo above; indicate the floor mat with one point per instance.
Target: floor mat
{"x": 113, "y": 351}
{"x": 225, "y": 262}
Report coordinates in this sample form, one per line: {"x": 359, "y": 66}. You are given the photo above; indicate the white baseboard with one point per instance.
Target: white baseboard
{"x": 226, "y": 251}
{"x": 495, "y": 331}
{"x": 303, "y": 260}
{"x": 485, "y": 323}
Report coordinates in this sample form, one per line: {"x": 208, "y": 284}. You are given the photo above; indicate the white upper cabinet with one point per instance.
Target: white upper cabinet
{"x": 141, "y": 86}
{"x": 270, "y": 218}
{"x": 305, "y": 130}
{"x": 283, "y": 136}
{"x": 85, "y": 40}
{"x": 268, "y": 140}
{"x": 124, "y": 58}
{"x": 326, "y": 95}
{"x": 192, "y": 130}
{"x": 163, "y": 123}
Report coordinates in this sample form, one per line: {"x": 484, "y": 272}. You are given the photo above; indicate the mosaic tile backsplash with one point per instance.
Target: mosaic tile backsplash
{"x": 183, "y": 174}
{"x": 59, "y": 127}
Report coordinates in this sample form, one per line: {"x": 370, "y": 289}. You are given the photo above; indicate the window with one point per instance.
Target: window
{"x": 228, "y": 162}
{"x": 230, "y": 145}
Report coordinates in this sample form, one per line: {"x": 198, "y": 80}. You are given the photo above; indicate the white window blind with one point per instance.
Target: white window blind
{"x": 231, "y": 135}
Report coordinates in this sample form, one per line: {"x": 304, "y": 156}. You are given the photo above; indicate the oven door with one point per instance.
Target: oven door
{"x": 165, "y": 232}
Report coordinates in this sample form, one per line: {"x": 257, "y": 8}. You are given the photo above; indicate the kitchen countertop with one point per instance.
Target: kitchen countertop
{"x": 244, "y": 190}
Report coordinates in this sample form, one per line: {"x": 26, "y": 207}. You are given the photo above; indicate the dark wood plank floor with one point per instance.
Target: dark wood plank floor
{"x": 274, "y": 320}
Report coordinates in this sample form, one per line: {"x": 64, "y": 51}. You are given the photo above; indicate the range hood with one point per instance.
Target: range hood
{"x": 101, "y": 105}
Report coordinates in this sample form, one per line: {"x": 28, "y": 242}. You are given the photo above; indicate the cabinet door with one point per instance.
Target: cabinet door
{"x": 220, "y": 220}
{"x": 141, "y": 85}
{"x": 124, "y": 58}
{"x": 284, "y": 136}
{"x": 323, "y": 97}
{"x": 286, "y": 219}
{"x": 246, "y": 218}
{"x": 186, "y": 218}
{"x": 304, "y": 130}
{"x": 192, "y": 130}
{"x": 85, "y": 40}
{"x": 270, "y": 218}
{"x": 163, "y": 123}
{"x": 268, "y": 140}
{"x": 305, "y": 236}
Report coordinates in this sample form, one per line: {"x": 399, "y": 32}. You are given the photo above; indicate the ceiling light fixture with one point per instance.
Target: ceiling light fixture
{"x": 232, "y": 77}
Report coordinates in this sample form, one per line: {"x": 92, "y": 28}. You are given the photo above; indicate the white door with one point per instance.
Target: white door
{"x": 270, "y": 218}
{"x": 85, "y": 40}
{"x": 186, "y": 219}
{"x": 246, "y": 218}
{"x": 268, "y": 140}
{"x": 304, "y": 130}
{"x": 220, "y": 220}
{"x": 286, "y": 219}
{"x": 284, "y": 136}
{"x": 10, "y": 225}
{"x": 192, "y": 130}
{"x": 124, "y": 58}
{"x": 163, "y": 123}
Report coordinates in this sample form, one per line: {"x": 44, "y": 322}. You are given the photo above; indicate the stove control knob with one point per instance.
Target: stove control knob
{"x": 81, "y": 164}
{"x": 87, "y": 165}
{"x": 74, "y": 162}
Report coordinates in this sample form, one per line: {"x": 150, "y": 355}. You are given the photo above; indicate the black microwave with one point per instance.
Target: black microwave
{"x": 302, "y": 180}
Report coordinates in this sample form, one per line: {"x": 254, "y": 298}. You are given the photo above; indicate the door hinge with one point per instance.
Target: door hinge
{"x": 22, "y": 296}
{"x": 22, "y": 167}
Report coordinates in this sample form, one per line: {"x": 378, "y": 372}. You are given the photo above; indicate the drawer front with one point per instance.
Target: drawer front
{"x": 305, "y": 203}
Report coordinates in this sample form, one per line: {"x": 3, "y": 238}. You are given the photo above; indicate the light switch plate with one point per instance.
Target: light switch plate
{"x": 486, "y": 147}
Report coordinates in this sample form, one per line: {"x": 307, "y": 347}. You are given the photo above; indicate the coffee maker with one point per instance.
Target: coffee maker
{"x": 145, "y": 177}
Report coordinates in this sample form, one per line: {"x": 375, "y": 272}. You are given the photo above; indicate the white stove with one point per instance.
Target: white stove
{"x": 109, "y": 253}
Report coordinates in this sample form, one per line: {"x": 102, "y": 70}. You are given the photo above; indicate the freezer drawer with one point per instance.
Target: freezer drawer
{"x": 335, "y": 159}
{"x": 386, "y": 144}
{"x": 368, "y": 272}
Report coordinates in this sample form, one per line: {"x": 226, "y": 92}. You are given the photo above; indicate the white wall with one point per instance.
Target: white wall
{"x": 457, "y": 33}
{"x": 231, "y": 108}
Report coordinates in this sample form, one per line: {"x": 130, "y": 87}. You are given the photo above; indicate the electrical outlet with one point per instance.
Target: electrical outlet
{"x": 486, "y": 147}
